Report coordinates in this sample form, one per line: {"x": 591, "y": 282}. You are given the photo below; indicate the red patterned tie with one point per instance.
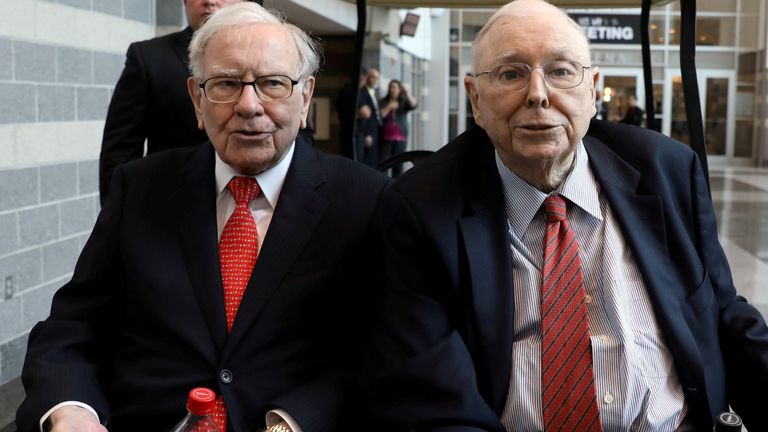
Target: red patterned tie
{"x": 238, "y": 249}
{"x": 567, "y": 379}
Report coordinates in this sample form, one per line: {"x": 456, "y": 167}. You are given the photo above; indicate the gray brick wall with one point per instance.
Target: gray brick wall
{"x": 6, "y": 59}
{"x": 137, "y": 10}
{"x": 34, "y": 62}
{"x": 48, "y": 83}
{"x": 47, "y": 209}
{"x": 46, "y": 213}
{"x": 59, "y": 103}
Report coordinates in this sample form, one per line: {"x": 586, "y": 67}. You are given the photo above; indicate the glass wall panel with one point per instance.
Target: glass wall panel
{"x": 716, "y": 115}
{"x": 472, "y": 22}
{"x": 744, "y": 135}
{"x": 454, "y": 68}
{"x": 657, "y": 29}
{"x": 679, "y": 129}
{"x": 710, "y": 6}
{"x": 710, "y": 31}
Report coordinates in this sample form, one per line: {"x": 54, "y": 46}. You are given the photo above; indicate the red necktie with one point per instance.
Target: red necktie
{"x": 567, "y": 379}
{"x": 238, "y": 249}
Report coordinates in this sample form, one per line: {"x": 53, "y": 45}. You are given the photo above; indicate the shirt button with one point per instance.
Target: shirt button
{"x": 604, "y": 338}
{"x": 225, "y": 376}
{"x": 608, "y": 398}
{"x": 587, "y": 299}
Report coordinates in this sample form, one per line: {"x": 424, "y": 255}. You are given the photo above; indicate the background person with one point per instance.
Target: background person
{"x": 150, "y": 101}
{"x": 395, "y": 107}
{"x": 368, "y": 126}
{"x": 634, "y": 114}
{"x": 548, "y": 273}
{"x": 237, "y": 265}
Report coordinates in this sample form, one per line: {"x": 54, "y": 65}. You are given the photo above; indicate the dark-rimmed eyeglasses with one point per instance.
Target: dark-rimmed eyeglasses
{"x": 560, "y": 74}
{"x": 228, "y": 89}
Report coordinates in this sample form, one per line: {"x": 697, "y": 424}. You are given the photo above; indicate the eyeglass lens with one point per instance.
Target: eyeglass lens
{"x": 559, "y": 74}
{"x": 226, "y": 89}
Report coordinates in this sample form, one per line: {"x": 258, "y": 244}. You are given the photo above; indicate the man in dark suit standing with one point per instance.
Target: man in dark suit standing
{"x": 150, "y": 101}
{"x": 368, "y": 120}
{"x": 548, "y": 273}
{"x": 634, "y": 114}
{"x": 238, "y": 265}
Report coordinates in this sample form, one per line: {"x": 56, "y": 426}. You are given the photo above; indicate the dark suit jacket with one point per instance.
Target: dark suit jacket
{"x": 142, "y": 320}
{"x": 442, "y": 358}
{"x": 150, "y": 102}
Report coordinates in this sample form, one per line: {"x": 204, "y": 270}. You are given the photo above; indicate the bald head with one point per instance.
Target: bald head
{"x": 551, "y": 17}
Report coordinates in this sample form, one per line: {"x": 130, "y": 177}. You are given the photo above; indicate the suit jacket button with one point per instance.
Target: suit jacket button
{"x": 225, "y": 376}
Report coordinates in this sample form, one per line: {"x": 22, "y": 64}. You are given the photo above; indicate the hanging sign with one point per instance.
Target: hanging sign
{"x": 610, "y": 29}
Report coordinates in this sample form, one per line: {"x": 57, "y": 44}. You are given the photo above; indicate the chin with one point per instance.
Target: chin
{"x": 252, "y": 165}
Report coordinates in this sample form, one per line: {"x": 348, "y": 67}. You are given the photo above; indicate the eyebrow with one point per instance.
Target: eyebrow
{"x": 225, "y": 72}
{"x": 564, "y": 53}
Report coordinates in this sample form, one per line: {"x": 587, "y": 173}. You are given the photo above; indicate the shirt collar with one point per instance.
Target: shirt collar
{"x": 523, "y": 201}
{"x": 270, "y": 181}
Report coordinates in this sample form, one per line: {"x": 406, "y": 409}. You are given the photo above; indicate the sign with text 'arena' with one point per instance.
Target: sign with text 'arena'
{"x": 610, "y": 29}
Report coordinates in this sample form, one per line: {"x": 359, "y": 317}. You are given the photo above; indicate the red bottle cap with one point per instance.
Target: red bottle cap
{"x": 201, "y": 401}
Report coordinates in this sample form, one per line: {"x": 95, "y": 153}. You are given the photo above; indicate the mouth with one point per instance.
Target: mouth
{"x": 538, "y": 127}
{"x": 254, "y": 135}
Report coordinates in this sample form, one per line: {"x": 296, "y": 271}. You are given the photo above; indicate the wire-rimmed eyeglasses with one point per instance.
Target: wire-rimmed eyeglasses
{"x": 560, "y": 74}
{"x": 229, "y": 89}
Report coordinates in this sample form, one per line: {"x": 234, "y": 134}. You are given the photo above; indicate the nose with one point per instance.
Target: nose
{"x": 538, "y": 90}
{"x": 249, "y": 104}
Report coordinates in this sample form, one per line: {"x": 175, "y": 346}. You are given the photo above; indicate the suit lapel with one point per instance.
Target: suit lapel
{"x": 641, "y": 218}
{"x": 486, "y": 244}
{"x": 196, "y": 205}
{"x": 300, "y": 208}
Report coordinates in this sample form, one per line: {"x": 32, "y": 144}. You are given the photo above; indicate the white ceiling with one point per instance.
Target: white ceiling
{"x": 496, "y": 3}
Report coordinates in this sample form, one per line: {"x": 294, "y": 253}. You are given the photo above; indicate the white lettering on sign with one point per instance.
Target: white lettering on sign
{"x": 601, "y": 33}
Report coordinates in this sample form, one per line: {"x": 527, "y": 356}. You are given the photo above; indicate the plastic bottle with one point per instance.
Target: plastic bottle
{"x": 727, "y": 422}
{"x": 200, "y": 405}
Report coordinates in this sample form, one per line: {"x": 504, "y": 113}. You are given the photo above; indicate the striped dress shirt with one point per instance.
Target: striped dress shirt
{"x": 636, "y": 383}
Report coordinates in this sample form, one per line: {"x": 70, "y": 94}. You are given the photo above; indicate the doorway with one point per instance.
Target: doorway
{"x": 717, "y": 92}
{"x": 615, "y": 87}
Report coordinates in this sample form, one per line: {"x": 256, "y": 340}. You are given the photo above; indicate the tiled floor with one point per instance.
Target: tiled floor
{"x": 740, "y": 196}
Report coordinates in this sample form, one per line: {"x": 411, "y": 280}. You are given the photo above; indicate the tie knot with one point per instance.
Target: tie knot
{"x": 554, "y": 208}
{"x": 243, "y": 189}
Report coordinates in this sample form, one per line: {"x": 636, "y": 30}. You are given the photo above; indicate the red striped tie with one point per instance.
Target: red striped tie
{"x": 238, "y": 249}
{"x": 567, "y": 379}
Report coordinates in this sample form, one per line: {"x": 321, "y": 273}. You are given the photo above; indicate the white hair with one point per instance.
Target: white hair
{"x": 244, "y": 14}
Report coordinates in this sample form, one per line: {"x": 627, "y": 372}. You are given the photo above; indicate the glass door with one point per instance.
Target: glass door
{"x": 615, "y": 88}
{"x": 717, "y": 90}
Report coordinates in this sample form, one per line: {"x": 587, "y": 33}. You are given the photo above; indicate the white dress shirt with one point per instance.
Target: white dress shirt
{"x": 635, "y": 380}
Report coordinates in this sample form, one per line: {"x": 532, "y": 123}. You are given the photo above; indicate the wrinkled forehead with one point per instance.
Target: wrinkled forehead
{"x": 260, "y": 42}
{"x": 544, "y": 33}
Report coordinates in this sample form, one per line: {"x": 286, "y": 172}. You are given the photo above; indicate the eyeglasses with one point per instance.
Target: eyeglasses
{"x": 560, "y": 74}
{"x": 228, "y": 89}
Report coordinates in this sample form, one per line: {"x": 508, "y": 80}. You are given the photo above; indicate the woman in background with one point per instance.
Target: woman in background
{"x": 394, "y": 109}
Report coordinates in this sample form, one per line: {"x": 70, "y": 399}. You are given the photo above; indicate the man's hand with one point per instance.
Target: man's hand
{"x": 364, "y": 112}
{"x": 74, "y": 419}
{"x": 368, "y": 141}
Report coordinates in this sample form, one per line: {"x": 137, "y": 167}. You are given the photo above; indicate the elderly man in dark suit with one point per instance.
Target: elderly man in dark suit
{"x": 150, "y": 101}
{"x": 240, "y": 265}
{"x": 548, "y": 273}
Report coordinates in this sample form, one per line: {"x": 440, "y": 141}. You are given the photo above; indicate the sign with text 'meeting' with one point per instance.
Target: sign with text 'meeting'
{"x": 610, "y": 29}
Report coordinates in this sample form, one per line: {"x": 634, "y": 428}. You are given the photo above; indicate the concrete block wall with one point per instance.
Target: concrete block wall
{"x": 59, "y": 62}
